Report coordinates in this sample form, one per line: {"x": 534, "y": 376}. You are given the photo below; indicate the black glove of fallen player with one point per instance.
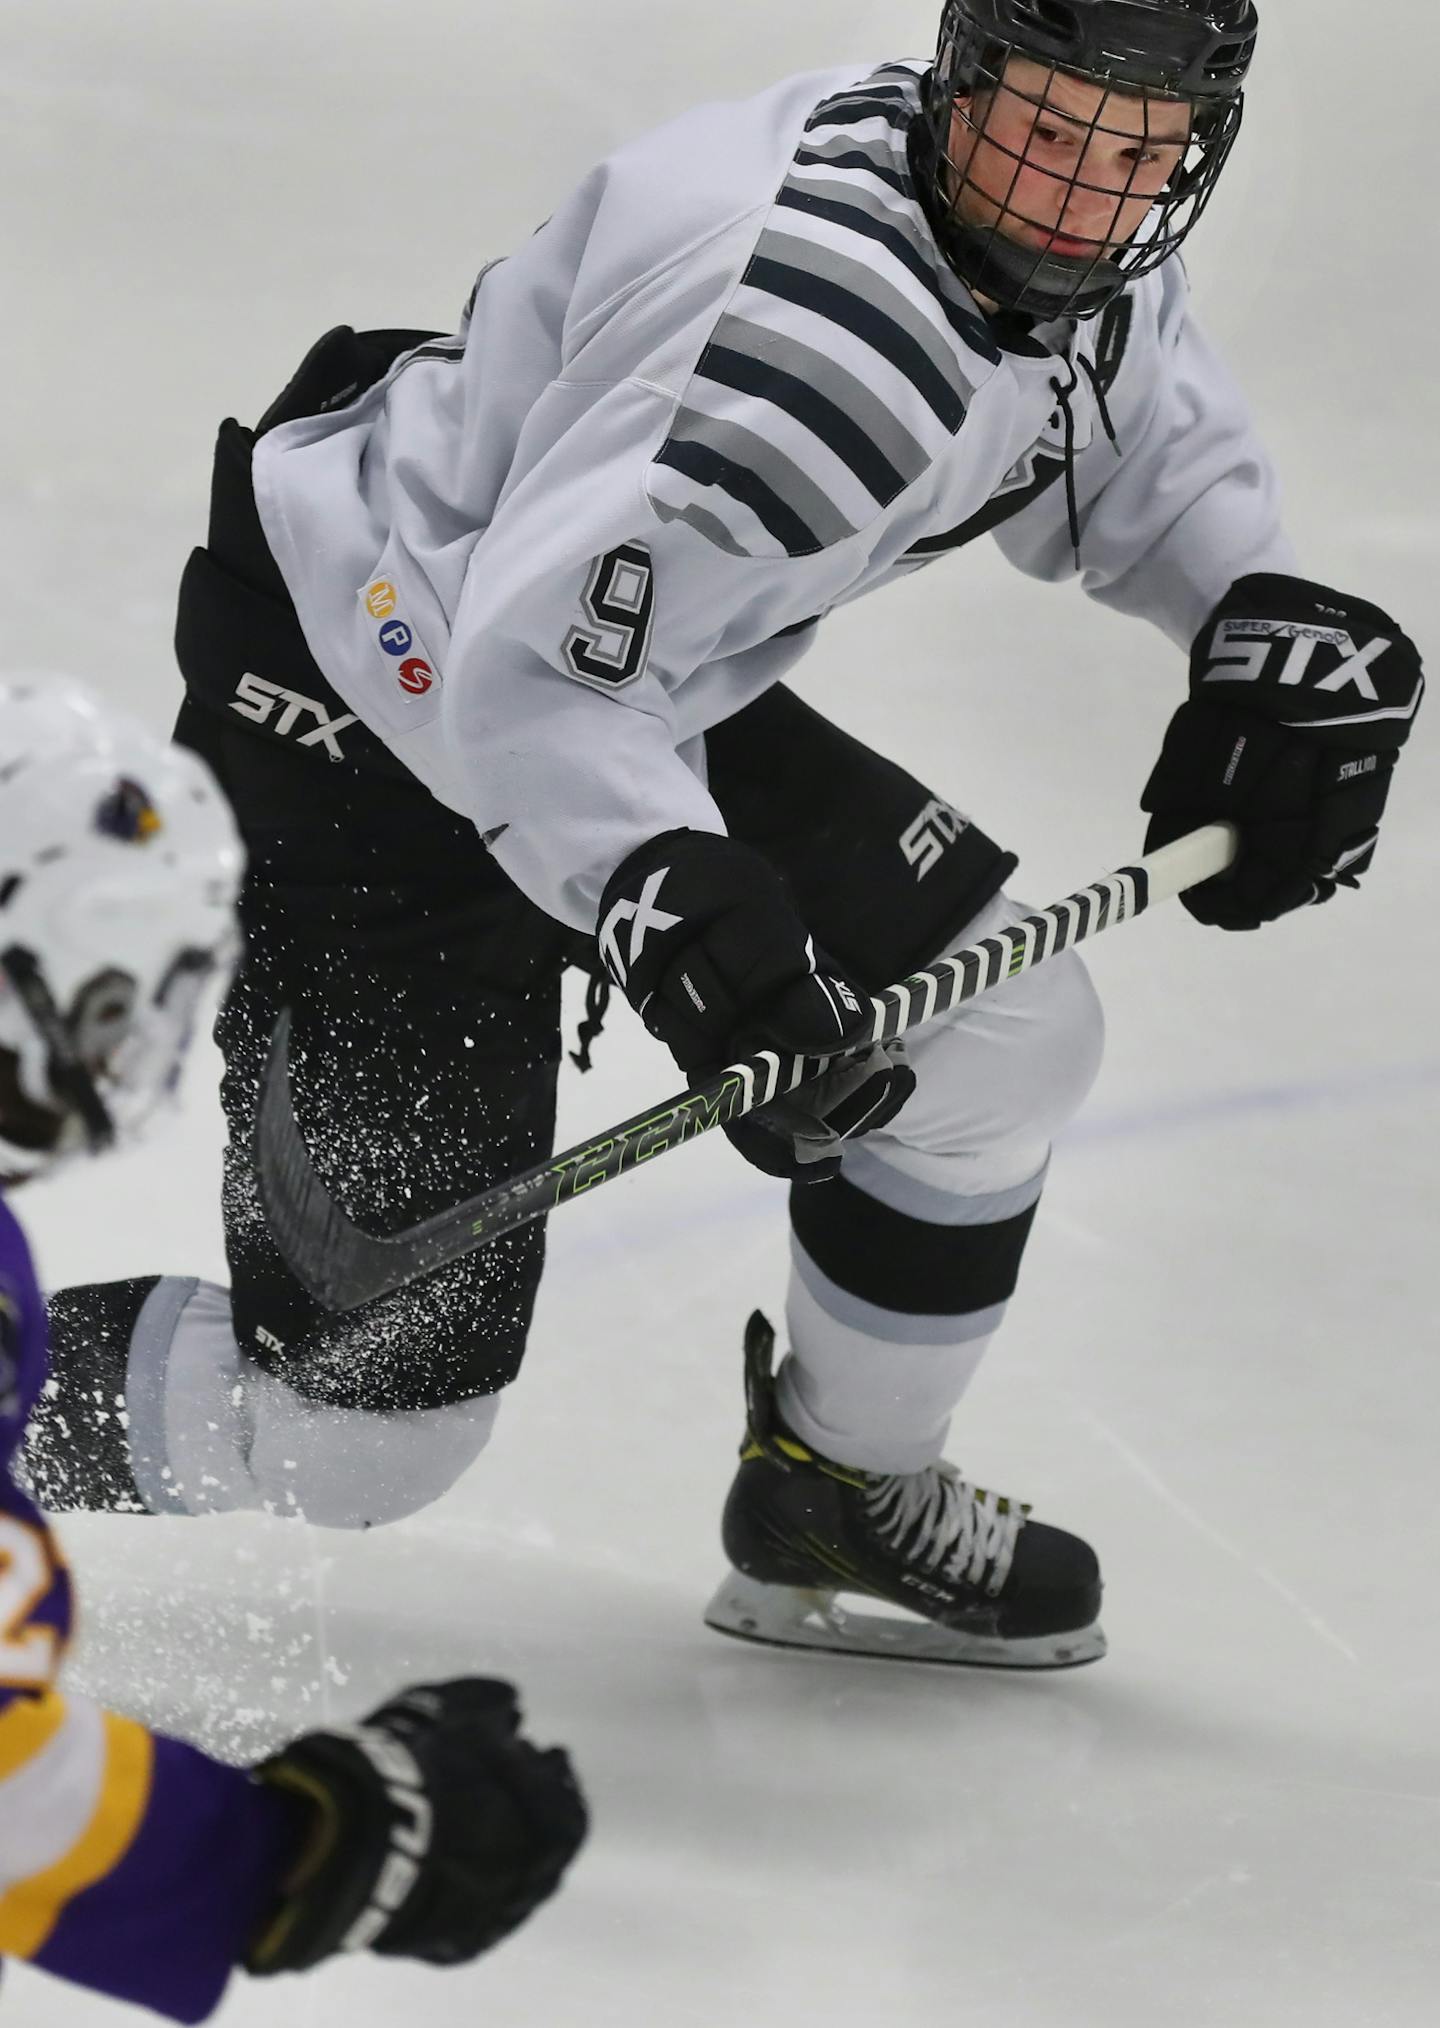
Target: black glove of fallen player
{"x": 1300, "y": 700}
{"x": 701, "y": 935}
{"x": 436, "y": 1830}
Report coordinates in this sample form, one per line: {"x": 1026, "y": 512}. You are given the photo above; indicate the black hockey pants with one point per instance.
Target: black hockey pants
{"x": 424, "y": 987}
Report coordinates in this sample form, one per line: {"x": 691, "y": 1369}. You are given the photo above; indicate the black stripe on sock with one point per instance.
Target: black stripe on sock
{"x": 906, "y": 1264}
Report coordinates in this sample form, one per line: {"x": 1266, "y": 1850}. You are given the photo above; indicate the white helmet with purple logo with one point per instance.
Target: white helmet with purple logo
{"x": 120, "y": 865}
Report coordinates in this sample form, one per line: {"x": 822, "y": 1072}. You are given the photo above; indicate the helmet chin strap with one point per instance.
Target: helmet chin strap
{"x": 69, "y": 1079}
{"x": 1038, "y": 285}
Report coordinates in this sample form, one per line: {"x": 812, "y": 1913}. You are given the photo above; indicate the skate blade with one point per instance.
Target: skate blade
{"x": 784, "y": 1616}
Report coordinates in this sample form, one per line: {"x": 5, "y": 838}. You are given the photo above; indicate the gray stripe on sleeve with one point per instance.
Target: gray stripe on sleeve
{"x": 821, "y": 371}
{"x": 704, "y": 523}
{"x": 879, "y": 152}
{"x": 827, "y": 264}
{"x": 784, "y": 478}
{"x": 892, "y": 211}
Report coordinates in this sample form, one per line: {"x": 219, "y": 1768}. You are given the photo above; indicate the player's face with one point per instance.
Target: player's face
{"x": 1062, "y": 165}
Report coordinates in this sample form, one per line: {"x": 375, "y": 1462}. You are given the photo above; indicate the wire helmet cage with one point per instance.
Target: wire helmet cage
{"x": 976, "y": 141}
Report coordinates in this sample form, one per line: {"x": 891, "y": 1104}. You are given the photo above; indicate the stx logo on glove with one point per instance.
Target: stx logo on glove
{"x": 1300, "y": 701}
{"x": 1241, "y": 651}
{"x": 642, "y": 916}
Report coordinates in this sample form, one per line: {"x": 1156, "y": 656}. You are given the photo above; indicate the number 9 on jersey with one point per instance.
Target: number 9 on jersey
{"x": 619, "y": 602}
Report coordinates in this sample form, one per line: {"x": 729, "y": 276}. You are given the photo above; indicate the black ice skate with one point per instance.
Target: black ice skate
{"x": 978, "y": 1581}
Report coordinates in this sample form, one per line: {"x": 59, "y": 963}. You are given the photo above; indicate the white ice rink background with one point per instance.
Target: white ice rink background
{"x": 1222, "y": 1363}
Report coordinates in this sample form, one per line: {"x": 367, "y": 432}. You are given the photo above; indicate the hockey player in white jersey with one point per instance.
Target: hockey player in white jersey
{"x": 132, "y": 1863}
{"x": 487, "y": 643}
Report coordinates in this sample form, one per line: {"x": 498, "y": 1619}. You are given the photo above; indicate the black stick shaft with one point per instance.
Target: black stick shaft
{"x": 344, "y": 1266}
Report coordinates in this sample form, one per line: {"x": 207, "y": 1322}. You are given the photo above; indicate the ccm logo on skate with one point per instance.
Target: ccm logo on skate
{"x": 936, "y": 1591}
{"x": 416, "y": 676}
{"x": 923, "y": 841}
{"x": 256, "y": 699}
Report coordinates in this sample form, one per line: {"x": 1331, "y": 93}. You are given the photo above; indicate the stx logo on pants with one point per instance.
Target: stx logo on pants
{"x": 925, "y": 839}
{"x": 256, "y": 699}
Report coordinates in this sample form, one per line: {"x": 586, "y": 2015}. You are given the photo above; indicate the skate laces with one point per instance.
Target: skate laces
{"x": 947, "y": 1525}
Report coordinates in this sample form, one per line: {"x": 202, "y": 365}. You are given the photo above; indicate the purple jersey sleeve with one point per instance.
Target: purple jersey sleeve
{"x": 129, "y": 1862}
{"x": 22, "y": 1338}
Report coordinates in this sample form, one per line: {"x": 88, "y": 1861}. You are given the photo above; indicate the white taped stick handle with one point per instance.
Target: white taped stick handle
{"x": 1198, "y": 856}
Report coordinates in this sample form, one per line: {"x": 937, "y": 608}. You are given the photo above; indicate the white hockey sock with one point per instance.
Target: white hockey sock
{"x": 895, "y": 1291}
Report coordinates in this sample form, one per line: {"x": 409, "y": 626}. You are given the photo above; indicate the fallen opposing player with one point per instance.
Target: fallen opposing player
{"x": 130, "y": 1862}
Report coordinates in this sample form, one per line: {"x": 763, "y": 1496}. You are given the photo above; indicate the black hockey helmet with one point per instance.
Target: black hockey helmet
{"x": 1196, "y": 52}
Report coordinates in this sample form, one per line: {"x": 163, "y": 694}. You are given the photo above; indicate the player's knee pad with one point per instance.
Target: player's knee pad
{"x": 209, "y": 1431}
{"x": 996, "y": 1079}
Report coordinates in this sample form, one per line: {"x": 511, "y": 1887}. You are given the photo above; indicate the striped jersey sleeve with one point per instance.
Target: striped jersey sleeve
{"x": 129, "y": 1863}
{"x": 843, "y": 364}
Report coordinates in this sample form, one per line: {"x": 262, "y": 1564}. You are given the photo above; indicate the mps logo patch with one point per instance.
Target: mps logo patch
{"x": 408, "y": 661}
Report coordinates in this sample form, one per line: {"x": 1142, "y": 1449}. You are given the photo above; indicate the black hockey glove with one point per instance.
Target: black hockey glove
{"x": 701, "y": 935}
{"x": 437, "y": 1830}
{"x": 1300, "y": 700}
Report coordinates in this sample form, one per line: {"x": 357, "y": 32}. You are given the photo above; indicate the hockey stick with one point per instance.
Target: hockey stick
{"x": 344, "y": 1266}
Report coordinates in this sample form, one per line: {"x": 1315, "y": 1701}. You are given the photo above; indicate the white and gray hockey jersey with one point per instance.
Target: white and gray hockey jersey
{"x": 730, "y": 385}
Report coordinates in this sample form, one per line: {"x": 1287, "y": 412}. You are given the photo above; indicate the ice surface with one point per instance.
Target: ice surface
{"x": 1222, "y": 1362}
